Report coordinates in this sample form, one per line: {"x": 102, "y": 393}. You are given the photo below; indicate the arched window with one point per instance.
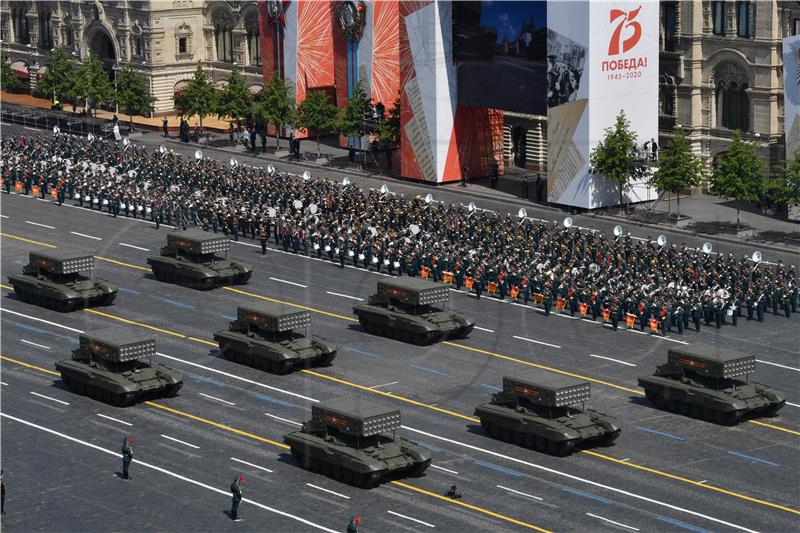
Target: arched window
{"x": 45, "y": 31}
{"x": 732, "y": 96}
{"x": 224, "y": 36}
{"x": 253, "y": 47}
{"x": 68, "y": 31}
{"x": 20, "y": 22}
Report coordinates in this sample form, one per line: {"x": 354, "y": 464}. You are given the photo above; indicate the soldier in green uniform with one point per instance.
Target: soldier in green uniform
{"x": 127, "y": 456}
{"x": 236, "y": 497}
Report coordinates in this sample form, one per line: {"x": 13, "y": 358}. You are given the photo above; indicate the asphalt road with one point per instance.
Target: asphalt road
{"x": 665, "y": 472}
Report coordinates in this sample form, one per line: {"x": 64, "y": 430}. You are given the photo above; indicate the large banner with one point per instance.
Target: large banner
{"x": 791, "y": 90}
{"x": 602, "y": 58}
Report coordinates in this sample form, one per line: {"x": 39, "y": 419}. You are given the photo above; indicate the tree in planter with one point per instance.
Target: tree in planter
{"x": 8, "y": 79}
{"x": 785, "y": 188}
{"x": 389, "y": 131}
{"x": 739, "y": 175}
{"x": 678, "y": 168}
{"x": 615, "y": 157}
{"x": 234, "y": 100}
{"x": 198, "y": 97}
{"x": 58, "y": 77}
{"x": 349, "y": 121}
{"x": 277, "y": 105}
{"x": 133, "y": 94}
{"x": 315, "y": 113}
{"x": 93, "y": 84}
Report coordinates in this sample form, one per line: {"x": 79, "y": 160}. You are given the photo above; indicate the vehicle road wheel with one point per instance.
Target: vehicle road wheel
{"x": 68, "y": 383}
{"x": 708, "y": 414}
{"x": 336, "y": 472}
{"x": 360, "y": 480}
{"x": 485, "y": 425}
{"x": 64, "y": 306}
{"x": 325, "y": 468}
{"x": 108, "y": 396}
{"x": 173, "y": 389}
{"x": 108, "y": 299}
{"x": 495, "y": 431}
{"x": 519, "y": 438}
{"x": 316, "y": 465}
{"x": 672, "y": 406}
{"x": 684, "y": 408}
{"x": 553, "y": 447}
{"x": 541, "y": 444}
{"x": 507, "y": 435}
{"x": 347, "y": 476}
{"x": 530, "y": 440}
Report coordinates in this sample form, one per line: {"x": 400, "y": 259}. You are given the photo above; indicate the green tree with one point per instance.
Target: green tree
{"x": 389, "y": 128}
{"x": 8, "y": 79}
{"x": 678, "y": 168}
{"x": 316, "y": 113}
{"x": 133, "y": 94}
{"x": 93, "y": 84}
{"x": 615, "y": 157}
{"x": 349, "y": 120}
{"x": 277, "y": 105}
{"x": 785, "y": 188}
{"x": 60, "y": 75}
{"x": 739, "y": 175}
{"x": 198, "y": 96}
{"x": 234, "y": 100}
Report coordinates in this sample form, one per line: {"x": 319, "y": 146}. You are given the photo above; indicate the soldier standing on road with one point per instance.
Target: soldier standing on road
{"x": 236, "y": 492}
{"x": 263, "y": 234}
{"x": 355, "y": 521}
{"x": 127, "y": 456}
{"x": 2, "y": 493}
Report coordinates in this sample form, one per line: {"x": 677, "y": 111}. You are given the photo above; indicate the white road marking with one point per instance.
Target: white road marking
{"x": 520, "y": 493}
{"x": 4, "y": 310}
{"x": 215, "y": 398}
{"x": 610, "y": 359}
{"x": 170, "y": 473}
{"x": 672, "y": 340}
{"x": 556, "y": 313}
{"x": 484, "y": 329}
{"x": 793, "y": 404}
{"x": 288, "y": 282}
{"x": 87, "y": 236}
{"x": 34, "y": 344}
{"x": 445, "y": 469}
{"x": 384, "y": 385}
{"x": 136, "y": 247}
{"x": 284, "y": 419}
{"x": 3, "y": 383}
{"x": 537, "y": 342}
{"x": 580, "y": 479}
{"x": 49, "y": 398}
{"x": 701, "y": 482}
{"x": 776, "y": 364}
{"x": 328, "y": 491}
{"x": 181, "y": 442}
{"x": 612, "y": 522}
{"x": 114, "y": 419}
{"x": 345, "y": 296}
{"x": 251, "y": 464}
{"x": 4, "y": 216}
{"x": 40, "y": 225}
{"x": 412, "y": 519}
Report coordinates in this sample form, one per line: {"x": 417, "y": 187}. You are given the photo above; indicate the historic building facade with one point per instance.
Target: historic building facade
{"x": 721, "y": 70}
{"x": 163, "y": 39}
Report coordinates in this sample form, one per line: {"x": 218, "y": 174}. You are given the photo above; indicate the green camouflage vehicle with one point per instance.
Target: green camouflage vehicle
{"x": 700, "y": 381}
{"x": 404, "y": 309}
{"x": 60, "y": 280}
{"x": 109, "y": 365}
{"x": 265, "y": 336}
{"x": 192, "y": 258}
{"x": 537, "y": 410}
{"x": 347, "y": 439}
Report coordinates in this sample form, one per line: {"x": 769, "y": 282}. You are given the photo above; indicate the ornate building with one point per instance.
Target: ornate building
{"x": 163, "y": 39}
{"x": 721, "y": 70}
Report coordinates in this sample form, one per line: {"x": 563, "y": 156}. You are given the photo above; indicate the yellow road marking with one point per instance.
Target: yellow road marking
{"x": 543, "y": 367}
{"x": 217, "y": 424}
{"x": 23, "y": 239}
{"x": 692, "y": 482}
{"x": 468, "y": 506}
{"x": 4, "y": 358}
{"x": 390, "y": 395}
{"x": 121, "y": 263}
{"x": 779, "y": 428}
{"x": 6, "y": 286}
{"x": 134, "y": 323}
{"x": 254, "y": 295}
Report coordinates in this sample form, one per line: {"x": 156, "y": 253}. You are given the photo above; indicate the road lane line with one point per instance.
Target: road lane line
{"x": 680, "y": 524}
{"x": 49, "y": 398}
{"x": 776, "y": 364}
{"x": 121, "y": 263}
{"x": 4, "y": 216}
{"x": 409, "y": 518}
{"x": 484, "y": 329}
{"x": 87, "y": 236}
{"x": 662, "y": 433}
{"x": 267, "y": 298}
{"x": 181, "y": 442}
{"x": 445, "y": 469}
{"x": 355, "y": 350}
{"x": 3, "y": 383}
{"x": 23, "y": 239}
{"x": 40, "y": 369}
{"x": 170, "y": 473}
{"x": 751, "y": 458}
{"x": 511, "y": 473}
{"x": 520, "y": 493}
{"x": 537, "y": 342}
{"x": 134, "y": 247}
{"x": 610, "y": 359}
{"x": 620, "y": 524}
{"x": 41, "y": 225}
{"x": 251, "y": 464}
{"x": 345, "y": 296}
{"x": 384, "y": 385}
{"x": 289, "y": 282}
{"x": 43, "y": 321}
{"x": 772, "y": 426}
{"x": 429, "y": 370}
{"x": 34, "y": 344}
{"x": 215, "y": 398}
{"x": 178, "y": 304}
{"x": 328, "y": 491}
{"x": 114, "y": 419}
{"x": 29, "y": 327}
{"x": 284, "y": 420}
{"x": 793, "y": 404}
{"x": 587, "y": 495}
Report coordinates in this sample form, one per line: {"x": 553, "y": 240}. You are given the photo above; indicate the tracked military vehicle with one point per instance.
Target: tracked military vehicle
{"x": 116, "y": 367}
{"x": 404, "y": 308}
{"x": 267, "y": 335}
{"x": 348, "y": 439}
{"x": 700, "y": 381}
{"x": 198, "y": 259}
{"x": 538, "y": 409}
{"x": 60, "y": 280}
